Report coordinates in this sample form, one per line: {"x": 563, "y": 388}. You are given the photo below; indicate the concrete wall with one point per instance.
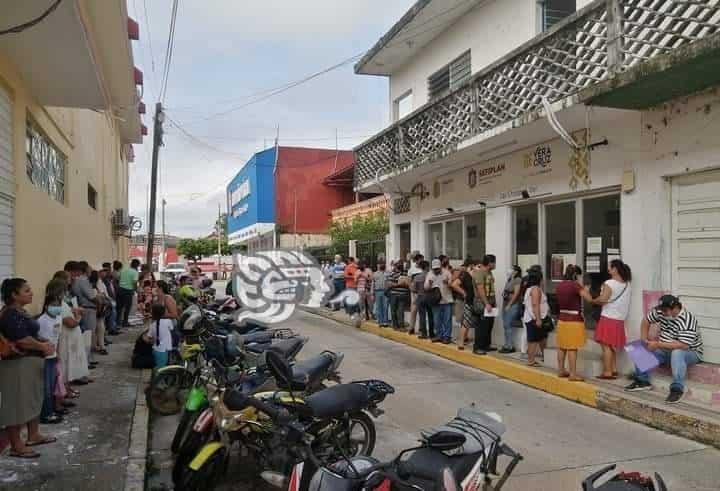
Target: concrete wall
{"x": 490, "y": 31}
{"x": 303, "y": 241}
{"x": 49, "y": 233}
{"x": 677, "y": 139}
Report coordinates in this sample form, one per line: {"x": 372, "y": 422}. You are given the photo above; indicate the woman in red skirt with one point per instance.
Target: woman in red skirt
{"x": 610, "y": 330}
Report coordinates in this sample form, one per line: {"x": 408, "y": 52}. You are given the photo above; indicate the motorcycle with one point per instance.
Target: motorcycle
{"x": 623, "y": 481}
{"x": 467, "y": 448}
{"x": 332, "y": 416}
{"x": 197, "y": 423}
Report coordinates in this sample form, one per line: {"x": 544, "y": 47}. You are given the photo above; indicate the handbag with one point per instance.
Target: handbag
{"x": 548, "y": 324}
{"x": 433, "y": 296}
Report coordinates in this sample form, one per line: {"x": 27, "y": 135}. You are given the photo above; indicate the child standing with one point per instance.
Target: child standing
{"x": 50, "y": 324}
{"x": 160, "y": 332}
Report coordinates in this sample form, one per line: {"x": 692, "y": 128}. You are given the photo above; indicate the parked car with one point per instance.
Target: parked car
{"x": 175, "y": 268}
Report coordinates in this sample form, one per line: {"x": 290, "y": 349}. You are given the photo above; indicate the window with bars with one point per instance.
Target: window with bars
{"x": 451, "y": 76}
{"x": 45, "y": 163}
{"x": 92, "y": 197}
{"x": 553, "y": 11}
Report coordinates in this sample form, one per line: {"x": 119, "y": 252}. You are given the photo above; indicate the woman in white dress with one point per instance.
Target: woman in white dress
{"x": 71, "y": 346}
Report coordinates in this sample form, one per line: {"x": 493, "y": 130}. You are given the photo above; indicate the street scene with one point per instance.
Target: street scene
{"x": 420, "y": 245}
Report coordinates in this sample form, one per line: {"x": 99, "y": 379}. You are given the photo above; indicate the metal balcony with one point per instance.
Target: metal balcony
{"x": 630, "y": 54}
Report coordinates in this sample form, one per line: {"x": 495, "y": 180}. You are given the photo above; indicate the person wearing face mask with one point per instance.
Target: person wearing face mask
{"x": 512, "y": 302}
{"x": 50, "y": 325}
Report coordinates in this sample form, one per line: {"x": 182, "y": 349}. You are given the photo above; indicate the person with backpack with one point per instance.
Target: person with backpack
{"x": 615, "y": 300}
{"x": 160, "y": 332}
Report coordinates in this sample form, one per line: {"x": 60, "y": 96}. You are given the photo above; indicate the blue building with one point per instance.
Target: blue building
{"x": 251, "y": 202}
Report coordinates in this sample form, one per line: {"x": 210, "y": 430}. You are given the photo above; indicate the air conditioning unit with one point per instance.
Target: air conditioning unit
{"x": 120, "y": 222}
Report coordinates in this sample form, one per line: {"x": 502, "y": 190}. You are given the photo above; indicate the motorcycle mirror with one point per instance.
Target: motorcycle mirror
{"x": 445, "y": 440}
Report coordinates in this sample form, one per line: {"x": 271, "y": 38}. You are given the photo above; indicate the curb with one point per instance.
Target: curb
{"x": 701, "y": 428}
{"x": 137, "y": 450}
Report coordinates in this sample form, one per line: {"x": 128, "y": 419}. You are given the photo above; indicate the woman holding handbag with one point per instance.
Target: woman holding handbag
{"x": 536, "y": 317}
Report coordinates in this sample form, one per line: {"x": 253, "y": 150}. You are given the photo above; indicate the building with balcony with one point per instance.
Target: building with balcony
{"x": 69, "y": 114}
{"x": 282, "y": 197}
{"x": 474, "y": 161}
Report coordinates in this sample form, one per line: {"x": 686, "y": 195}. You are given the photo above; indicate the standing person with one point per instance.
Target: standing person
{"x": 338, "y": 275}
{"x": 102, "y": 302}
{"x": 615, "y": 300}
{"x": 379, "y": 285}
{"x": 351, "y": 283}
{"x": 160, "y": 330}
{"x": 362, "y": 280}
{"x": 442, "y": 312}
{"x": 399, "y": 289}
{"x": 50, "y": 323}
{"x": 536, "y": 309}
{"x": 425, "y": 314}
{"x": 485, "y": 300}
{"x": 680, "y": 345}
{"x": 86, "y": 296}
{"x": 512, "y": 303}
{"x": 106, "y": 276}
{"x": 71, "y": 347}
{"x": 127, "y": 284}
{"x": 21, "y": 378}
{"x": 412, "y": 272}
{"x": 166, "y": 300}
{"x": 464, "y": 283}
{"x": 571, "y": 325}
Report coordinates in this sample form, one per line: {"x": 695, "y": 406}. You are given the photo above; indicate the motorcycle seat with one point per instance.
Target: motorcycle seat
{"x": 467, "y": 422}
{"x": 312, "y": 369}
{"x": 257, "y": 337}
{"x": 427, "y": 465}
{"x": 338, "y": 400}
{"x": 235, "y": 400}
{"x": 287, "y": 348}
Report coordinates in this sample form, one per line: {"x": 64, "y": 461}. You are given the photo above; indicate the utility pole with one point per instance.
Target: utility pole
{"x": 295, "y": 220}
{"x": 219, "y": 244}
{"x": 157, "y": 142}
{"x": 161, "y": 259}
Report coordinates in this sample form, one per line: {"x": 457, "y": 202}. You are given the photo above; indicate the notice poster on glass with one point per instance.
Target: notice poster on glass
{"x": 594, "y": 245}
{"x": 592, "y": 264}
{"x": 527, "y": 260}
{"x": 612, "y": 257}
{"x": 558, "y": 263}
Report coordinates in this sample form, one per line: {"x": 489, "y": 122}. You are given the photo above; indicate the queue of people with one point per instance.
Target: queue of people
{"x": 434, "y": 293}
{"x": 46, "y": 358}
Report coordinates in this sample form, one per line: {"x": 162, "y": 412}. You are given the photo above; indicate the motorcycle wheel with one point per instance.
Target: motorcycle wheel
{"x": 205, "y": 478}
{"x": 187, "y": 420}
{"x": 360, "y": 437}
{"x": 191, "y": 446}
{"x": 166, "y": 395}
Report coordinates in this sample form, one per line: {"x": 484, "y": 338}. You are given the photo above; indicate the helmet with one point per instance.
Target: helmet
{"x": 188, "y": 294}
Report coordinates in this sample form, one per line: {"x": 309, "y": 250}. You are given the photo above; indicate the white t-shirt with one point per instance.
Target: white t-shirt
{"x": 441, "y": 281}
{"x": 529, "y": 314}
{"x": 618, "y": 306}
{"x": 50, "y": 330}
{"x": 165, "y": 343}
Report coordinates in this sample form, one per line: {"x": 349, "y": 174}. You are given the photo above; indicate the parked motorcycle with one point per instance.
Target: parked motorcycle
{"x": 623, "y": 481}
{"x": 465, "y": 450}
{"x": 335, "y": 417}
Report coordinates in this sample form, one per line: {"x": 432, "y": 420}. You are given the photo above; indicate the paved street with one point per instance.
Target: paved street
{"x": 92, "y": 448}
{"x": 562, "y": 441}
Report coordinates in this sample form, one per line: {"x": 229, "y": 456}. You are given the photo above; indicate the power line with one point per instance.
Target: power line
{"x": 31, "y": 23}
{"x": 169, "y": 51}
{"x": 147, "y": 26}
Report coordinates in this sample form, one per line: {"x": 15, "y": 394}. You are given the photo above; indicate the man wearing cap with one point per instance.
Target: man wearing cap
{"x": 679, "y": 345}
{"x": 412, "y": 273}
{"x": 442, "y": 312}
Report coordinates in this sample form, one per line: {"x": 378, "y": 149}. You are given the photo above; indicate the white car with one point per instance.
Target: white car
{"x": 175, "y": 269}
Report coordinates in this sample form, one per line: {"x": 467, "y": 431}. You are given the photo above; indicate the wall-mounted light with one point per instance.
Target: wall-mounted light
{"x": 450, "y": 210}
{"x": 525, "y": 194}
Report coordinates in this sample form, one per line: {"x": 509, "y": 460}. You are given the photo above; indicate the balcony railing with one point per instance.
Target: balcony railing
{"x": 372, "y": 205}
{"x": 604, "y": 38}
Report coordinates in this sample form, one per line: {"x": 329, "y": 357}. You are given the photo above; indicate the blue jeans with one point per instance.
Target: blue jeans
{"x": 50, "y": 376}
{"x": 442, "y": 318}
{"x": 425, "y": 318}
{"x": 381, "y": 307}
{"x": 111, "y": 319}
{"x": 161, "y": 358}
{"x": 678, "y": 359}
{"x": 339, "y": 287}
{"x": 509, "y": 317}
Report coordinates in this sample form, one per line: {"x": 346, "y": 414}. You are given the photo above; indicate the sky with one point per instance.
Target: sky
{"x": 227, "y": 51}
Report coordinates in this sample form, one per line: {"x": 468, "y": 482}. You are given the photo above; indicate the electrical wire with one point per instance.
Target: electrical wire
{"x": 147, "y": 26}
{"x": 31, "y": 23}
{"x": 169, "y": 51}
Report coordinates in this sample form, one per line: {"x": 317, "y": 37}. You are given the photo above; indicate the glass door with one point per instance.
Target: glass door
{"x": 404, "y": 240}
{"x": 527, "y": 251}
{"x": 560, "y": 241}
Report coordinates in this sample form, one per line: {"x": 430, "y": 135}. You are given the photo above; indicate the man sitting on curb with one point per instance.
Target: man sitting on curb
{"x": 680, "y": 345}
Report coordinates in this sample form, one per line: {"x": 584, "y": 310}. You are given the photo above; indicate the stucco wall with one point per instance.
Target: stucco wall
{"x": 490, "y": 31}
{"x": 49, "y": 233}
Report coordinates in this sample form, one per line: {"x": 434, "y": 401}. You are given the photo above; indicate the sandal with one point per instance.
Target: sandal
{"x": 564, "y": 374}
{"x": 575, "y": 378}
{"x": 44, "y": 441}
{"x": 534, "y": 364}
{"x": 461, "y": 347}
{"x": 27, "y": 454}
{"x": 606, "y": 377}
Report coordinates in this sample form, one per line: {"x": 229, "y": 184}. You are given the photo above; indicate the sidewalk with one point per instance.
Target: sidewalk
{"x": 685, "y": 420}
{"x": 92, "y": 451}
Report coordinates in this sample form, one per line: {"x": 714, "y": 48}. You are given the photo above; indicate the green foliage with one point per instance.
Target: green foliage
{"x": 370, "y": 227}
{"x": 196, "y": 249}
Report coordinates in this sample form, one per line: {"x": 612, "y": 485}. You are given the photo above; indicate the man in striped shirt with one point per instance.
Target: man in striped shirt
{"x": 680, "y": 345}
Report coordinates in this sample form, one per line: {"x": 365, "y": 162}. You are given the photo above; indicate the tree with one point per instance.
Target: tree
{"x": 369, "y": 227}
{"x": 196, "y": 249}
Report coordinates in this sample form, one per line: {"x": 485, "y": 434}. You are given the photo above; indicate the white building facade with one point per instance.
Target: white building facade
{"x": 472, "y": 166}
